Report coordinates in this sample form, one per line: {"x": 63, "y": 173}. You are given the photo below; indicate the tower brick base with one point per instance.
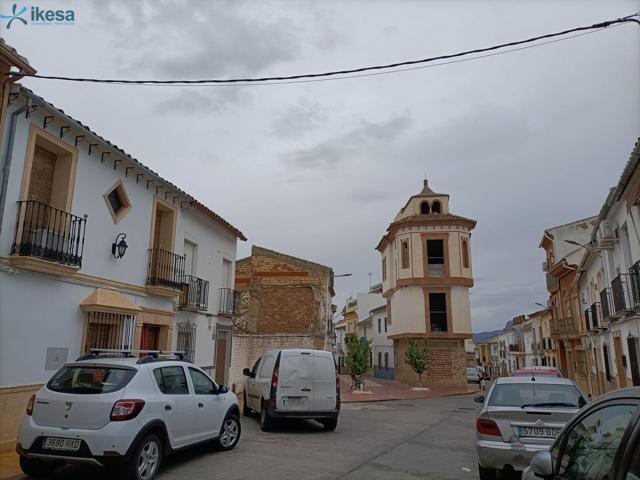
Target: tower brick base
{"x": 446, "y": 364}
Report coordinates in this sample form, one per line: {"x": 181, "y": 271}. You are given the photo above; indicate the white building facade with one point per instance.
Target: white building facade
{"x": 382, "y": 345}
{"x": 69, "y": 203}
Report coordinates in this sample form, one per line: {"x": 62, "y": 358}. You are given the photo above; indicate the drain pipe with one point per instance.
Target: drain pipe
{"x": 6, "y": 165}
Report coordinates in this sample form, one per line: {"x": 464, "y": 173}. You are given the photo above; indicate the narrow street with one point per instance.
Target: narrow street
{"x": 411, "y": 439}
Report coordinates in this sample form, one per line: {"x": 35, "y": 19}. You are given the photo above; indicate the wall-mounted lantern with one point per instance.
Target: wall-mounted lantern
{"x": 119, "y": 247}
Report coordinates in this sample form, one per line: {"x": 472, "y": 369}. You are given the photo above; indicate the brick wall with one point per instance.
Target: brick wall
{"x": 247, "y": 348}
{"x": 283, "y": 294}
{"x": 446, "y": 364}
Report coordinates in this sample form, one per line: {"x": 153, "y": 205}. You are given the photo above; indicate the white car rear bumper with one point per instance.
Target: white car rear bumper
{"x": 112, "y": 440}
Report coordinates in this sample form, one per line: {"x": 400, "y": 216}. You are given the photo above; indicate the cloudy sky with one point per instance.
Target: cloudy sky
{"x": 521, "y": 141}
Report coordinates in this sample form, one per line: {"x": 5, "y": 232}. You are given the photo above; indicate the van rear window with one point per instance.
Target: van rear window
{"x": 296, "y": 367}
{"x": 90, "y": 380}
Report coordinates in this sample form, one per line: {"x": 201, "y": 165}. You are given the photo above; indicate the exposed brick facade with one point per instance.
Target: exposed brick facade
{"x": 282, "y": 299}
{"x": 446, "y": 364}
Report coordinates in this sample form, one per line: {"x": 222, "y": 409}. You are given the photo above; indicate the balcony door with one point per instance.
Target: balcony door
{"x": 164, "y": 266}
{"x": 42, "y": 173}
{"x": 622, "y": 374}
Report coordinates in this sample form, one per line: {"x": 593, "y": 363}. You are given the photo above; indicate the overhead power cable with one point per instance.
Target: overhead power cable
{"x": 346, "y": 73}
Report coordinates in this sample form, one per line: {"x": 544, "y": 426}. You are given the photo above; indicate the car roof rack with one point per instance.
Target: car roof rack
{"x": 145, "y": 355}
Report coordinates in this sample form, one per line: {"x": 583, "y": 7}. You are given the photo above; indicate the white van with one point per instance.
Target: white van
{"x": 293, "y": 384}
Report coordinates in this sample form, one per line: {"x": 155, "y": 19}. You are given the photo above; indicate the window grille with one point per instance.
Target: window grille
{"x": 109, "y": 331}
{"x": 187, "y": 340}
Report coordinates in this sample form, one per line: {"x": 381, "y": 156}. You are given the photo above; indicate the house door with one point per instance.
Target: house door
{"x": 221, "y": 356}
{"x": 149, "y": 340}
{"x": 632, "y": 344}
{"x": 622, "y": 374}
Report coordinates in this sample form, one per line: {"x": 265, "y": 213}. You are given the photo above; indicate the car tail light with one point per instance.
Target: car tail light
{"x": 337, "y": 390}
{"x": 126, "y": 410}
{"x": 30, "y": 404}
{"x": 488, "y": 427}
{"x": 274, "y": 383}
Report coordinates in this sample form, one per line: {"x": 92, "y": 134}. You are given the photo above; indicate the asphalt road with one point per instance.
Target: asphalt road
{"x": 411, "y": 439}
{"x": 417, "y": 439}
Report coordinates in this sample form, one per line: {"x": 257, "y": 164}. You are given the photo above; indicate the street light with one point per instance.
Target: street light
{"x": 543, "y": 306}
{"x": 342, "y": 275}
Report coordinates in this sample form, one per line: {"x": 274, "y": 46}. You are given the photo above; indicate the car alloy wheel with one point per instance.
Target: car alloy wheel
{"x": 148, "y": 460}
{"x": 230, "y": 431}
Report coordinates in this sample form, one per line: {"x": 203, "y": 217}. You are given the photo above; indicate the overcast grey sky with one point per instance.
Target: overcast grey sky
{"x": 521, "y": 141}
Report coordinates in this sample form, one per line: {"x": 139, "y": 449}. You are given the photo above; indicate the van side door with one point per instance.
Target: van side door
{"x": 253, "y": 394}
{"x": 324, "y": 383}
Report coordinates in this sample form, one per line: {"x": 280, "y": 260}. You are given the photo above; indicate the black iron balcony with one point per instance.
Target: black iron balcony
{"x": 620, "y": 293}
{"x": 194, "y": 294}
{"x": 552, "y": 283}
{"x": 634, "y": 284}
{"x": 587, "y": 319}
{"x": 595, "y": 317}
{"x": 166, "y": 269}
{"x": 565, "y": 327}
{"x": 606, "y": 304}
{"x": 49, "y": 233}
{"x": 229, "y": 302}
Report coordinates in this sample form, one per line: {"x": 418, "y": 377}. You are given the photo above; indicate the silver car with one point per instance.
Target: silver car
{"x": 519, "y": 417}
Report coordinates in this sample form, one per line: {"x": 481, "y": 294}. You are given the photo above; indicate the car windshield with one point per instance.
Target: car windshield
{"x": 536, "y": 395}
{"x": 90, "y": 380}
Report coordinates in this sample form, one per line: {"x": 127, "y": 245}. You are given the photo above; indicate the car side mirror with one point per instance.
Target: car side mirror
{"x": 246, "y": 372}
{"x": 222, "y": 389}
{"x": 479, "y": 399}
{"x": 542, "y": 464}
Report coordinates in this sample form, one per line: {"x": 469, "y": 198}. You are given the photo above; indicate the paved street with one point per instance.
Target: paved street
{"x": 411, "y": 439}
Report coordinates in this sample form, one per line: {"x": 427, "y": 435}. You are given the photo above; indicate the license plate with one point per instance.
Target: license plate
{"x": 67, "y": 444}
{"x": 538, "y": 432}
{"x": 294, "y": 403}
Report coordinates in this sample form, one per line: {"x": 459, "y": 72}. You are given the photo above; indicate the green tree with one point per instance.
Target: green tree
{"x": 358, "y": 355}
{"x": 416, "y": 356}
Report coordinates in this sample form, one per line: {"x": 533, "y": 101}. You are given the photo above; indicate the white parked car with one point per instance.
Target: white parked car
{"x": 293, "y": 384}
{"x": 126, "y": 413}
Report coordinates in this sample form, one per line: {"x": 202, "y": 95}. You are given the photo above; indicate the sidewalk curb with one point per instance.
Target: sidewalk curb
{"x": 374, "y": 400}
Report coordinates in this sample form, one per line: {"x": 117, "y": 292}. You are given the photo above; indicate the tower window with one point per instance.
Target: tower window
{"x": 435, "y": 258}
{"x": 465, "y": 253}
{"x": 424, "y": 208}
{"x": 404, "y": 251}
{"x": 435, "y": 208}
{"x": 438, "y": 312}
{"x": 384, "y": 268}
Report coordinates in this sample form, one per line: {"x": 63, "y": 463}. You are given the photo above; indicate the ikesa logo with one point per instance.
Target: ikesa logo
{"x": 39, "y": 16}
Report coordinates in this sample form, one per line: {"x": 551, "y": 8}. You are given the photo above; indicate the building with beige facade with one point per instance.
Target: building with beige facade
{"x": 426, "y": 273}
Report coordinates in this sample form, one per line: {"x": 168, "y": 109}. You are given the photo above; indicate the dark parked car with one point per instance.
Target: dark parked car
{"x": 602, "y": 442}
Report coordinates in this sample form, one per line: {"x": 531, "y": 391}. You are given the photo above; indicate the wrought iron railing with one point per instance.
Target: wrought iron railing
{"x": 194, "y": 293}
{"x": 606, "y": 304}
{"x": 595, "y": 317}
{"x": 187, "y": 340}
{"x": 587, "y": 319}
{"x": 49, "y": 233}
{"x": 565, "y": 327}
{"x": 229, "y": 302}
{"x": 166, "y": 269}
{"x": 621, "y": 297}
{"x": 634, "y": 284}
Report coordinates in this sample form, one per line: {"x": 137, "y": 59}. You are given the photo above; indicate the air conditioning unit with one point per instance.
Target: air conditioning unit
{"x": 545, "y": 266}
{"x": 606, "y": 237}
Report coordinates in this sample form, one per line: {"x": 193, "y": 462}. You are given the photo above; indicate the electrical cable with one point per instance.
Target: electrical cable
{"x": 346, "y": 73}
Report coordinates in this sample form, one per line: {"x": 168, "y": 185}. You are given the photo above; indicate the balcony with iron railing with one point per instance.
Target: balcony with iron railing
{"x": 49, "y": 233}
{"x": 229, "y": 302}
{"x": 634, "y": 284}
{"x": 166, "y": 269}
{"x": 552, "y": 283}
{"x": 622, "y": 299}
{"x": 565, "y": 327}
{"x": 194, "y": 294}
{"x": 606, "y": 306}
{"x": 594, "y": 317}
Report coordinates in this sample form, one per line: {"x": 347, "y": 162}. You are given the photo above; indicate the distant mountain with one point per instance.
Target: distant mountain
{"x": 482, "y": 336}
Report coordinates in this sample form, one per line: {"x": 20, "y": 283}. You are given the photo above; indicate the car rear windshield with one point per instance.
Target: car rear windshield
{"x": 536, "y": 395}
{"x": 90, "y": 380}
